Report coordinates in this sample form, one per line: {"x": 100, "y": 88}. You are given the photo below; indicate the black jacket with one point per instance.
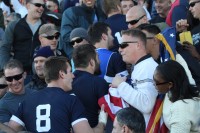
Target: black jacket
{"x": 19, "y": 38}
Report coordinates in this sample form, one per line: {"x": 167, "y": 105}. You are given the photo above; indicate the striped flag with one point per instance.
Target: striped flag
{"x": 156, "y": 124}
{"x": 112, "y": 102}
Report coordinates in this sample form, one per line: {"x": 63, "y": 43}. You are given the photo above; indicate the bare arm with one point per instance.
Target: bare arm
{"x": 15, "y": 126}
{"x": 6, "y": 128}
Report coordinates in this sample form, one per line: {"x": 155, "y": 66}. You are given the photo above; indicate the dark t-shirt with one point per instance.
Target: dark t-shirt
{"x": 89, "y": 88}
{"x": 50, "y": 110}
{"x": 10, "y": 103}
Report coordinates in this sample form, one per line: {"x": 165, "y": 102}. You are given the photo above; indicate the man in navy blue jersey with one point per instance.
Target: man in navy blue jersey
{"x": 53, "y": 110}
{"x": 86, "y": 86}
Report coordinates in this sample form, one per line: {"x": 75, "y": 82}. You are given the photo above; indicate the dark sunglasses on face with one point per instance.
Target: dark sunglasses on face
{"x": 38, "y": 5}
{"x": 160, "y": 83}
{"x": 125, "y": 44}
{"x": 52, "y": 37}
{"x": 15, "y": 77}
{"x": 133, "y": 22}
{"x": 192, "y": 4}
{"x": 78, "y": 40}
{"x": 2, "y": 86}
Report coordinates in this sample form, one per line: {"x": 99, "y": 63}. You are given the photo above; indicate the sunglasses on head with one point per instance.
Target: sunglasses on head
{"x": 132, "y": 22}
{"x": 52, "y": 37}
{"x": 125, "y": 44}
{"x": 192, "y": 4}
{"x": 78, "y": 40}
{"x": 38, "y": 5}
{"x": 15, "y": 77}
{"x": 2, "y": 86}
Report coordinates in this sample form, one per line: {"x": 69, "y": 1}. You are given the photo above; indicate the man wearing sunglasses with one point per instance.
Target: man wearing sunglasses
{"x": 136, "y": 16}
{"x": 14, "y": 76}
{"x": 142, "y": 94}
{"x": 78, "y": 36}
{"x": 21, "y": 37}
{"x": 49, "y": 36}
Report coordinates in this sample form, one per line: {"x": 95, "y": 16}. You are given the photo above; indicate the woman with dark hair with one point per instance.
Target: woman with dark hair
{"x": 181, "y": 107}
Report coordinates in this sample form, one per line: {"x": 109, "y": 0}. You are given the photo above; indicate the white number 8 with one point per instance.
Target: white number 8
{"x": 43, "y": 117}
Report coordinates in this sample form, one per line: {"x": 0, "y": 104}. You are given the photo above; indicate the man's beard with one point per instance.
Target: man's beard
{"x": 97, "y": 69}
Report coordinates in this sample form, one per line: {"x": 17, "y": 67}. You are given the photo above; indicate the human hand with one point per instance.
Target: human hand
{"x": 103, "y": 116}
{"x": 181, "y": 25}
{"x": 117, "y": 80}
{"x": 191, "y": 49}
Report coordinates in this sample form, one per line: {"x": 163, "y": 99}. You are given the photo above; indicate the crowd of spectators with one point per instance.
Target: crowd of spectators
{"x": 59, "y": 58}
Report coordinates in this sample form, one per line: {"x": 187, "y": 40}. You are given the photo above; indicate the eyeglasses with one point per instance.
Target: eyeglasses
{"x": 160, "y": 83}
{"x": 150, "y": 37}
{"x": 2, "y": 86}
{"x": 192, "y": 4}
{"x": 126, "y": 44}
{"x": 52, "y": 37}
{"x": 78, "y": 40}
{"x": 38, "y": 5}
{"x": 133, "y": 22}
{"x": 15, "y": 77}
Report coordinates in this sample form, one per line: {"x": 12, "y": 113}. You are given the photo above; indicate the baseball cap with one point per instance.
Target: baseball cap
{"x": 48, "y": 29}
{"x": 79, "y": 32}
{"x": 44, "y": 52}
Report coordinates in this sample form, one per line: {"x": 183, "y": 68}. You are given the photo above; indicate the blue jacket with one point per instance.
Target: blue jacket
{"x": 74, "y": 17}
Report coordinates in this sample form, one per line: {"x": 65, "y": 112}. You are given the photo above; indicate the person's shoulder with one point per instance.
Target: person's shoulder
{"x": 73, "y": 9}
{"x": 116, "y": 55}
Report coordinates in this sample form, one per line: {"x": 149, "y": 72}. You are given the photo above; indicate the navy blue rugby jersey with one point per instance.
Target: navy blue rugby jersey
{"x": 50, "y": 110}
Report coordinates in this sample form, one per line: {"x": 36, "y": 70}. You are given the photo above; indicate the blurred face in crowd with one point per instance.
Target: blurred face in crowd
{"x": 162, "y": 7}
{"x": 89, "y": 3}
{"x": 39, "y": 64}
{"x": 153, "y": 45}
{"x": 3, "y": 86}
{"x": 51, "y": 41}
{"x": 195, "y": 8}
{"x": 15, "y": 80}
{"x": 110, "y": 38}
{"x": 51, "y": 6}
{"x": 77, "y": 41}
{"x": 35, "y": 8}
{"x": 126, "y": 5}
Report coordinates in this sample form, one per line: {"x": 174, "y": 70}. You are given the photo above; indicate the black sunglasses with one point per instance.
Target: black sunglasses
{"x": 150, "y": 37}
{"x": 15, "y": 77}
{"x": 125, "y": 44}
{"x": 160, "y": 83}
{"x": 192, "y": 4}
{"x": 132, "y": 22}
{"x": 2, "y": 86}
{"x": 78, "y": 40}
{"x": 38, "y": 4}
{"x": 52, "y": 37}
